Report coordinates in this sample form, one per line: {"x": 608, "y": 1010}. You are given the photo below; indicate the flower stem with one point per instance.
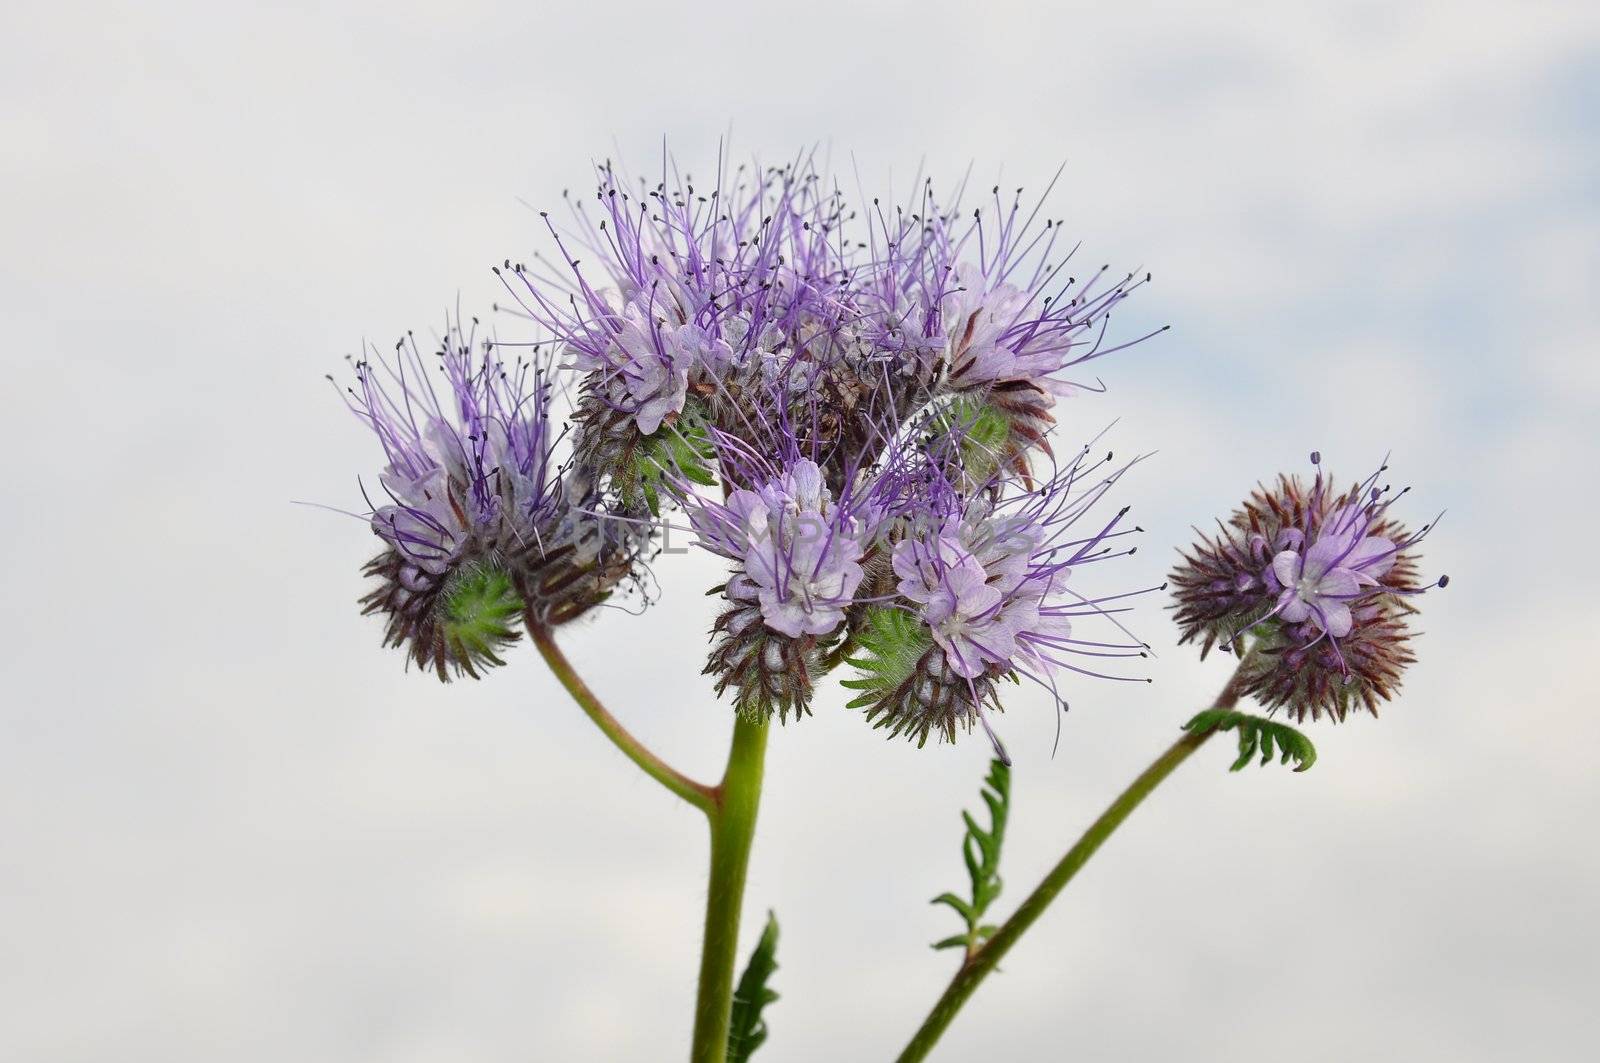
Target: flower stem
{"x": 697, "y": 794}
{"x": 980, "y": 963}
{"x": 733, "y": 824}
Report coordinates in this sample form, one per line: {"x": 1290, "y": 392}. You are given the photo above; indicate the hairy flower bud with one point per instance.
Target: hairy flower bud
{"x": 1322, "y": 580}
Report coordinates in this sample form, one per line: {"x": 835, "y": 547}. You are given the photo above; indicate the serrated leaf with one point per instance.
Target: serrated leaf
{"x": 891, "y": 641}
{"x": 1258, "y": 737}
{"x": 980, "y": 852}
{"x": 747, "y": 1028}
{"x": 680, "y": 451}
{"x": 982, "y": 432}
{"x": 961, "y": 907}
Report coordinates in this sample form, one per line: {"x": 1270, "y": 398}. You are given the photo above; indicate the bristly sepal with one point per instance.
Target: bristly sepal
{"x": 452, "y": 625}
{"x": 1309, "y": 677}
{"x": 480, "y": 522}
{"x": 981, "y": 441}
{"x": 477, "y": 615}
{"x": 1257, "y": 736}
{"x": 680, "y": 450}
{"x": 770, "y": 673}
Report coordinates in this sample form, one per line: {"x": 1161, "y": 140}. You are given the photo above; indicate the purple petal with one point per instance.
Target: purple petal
{"x": 1286, "y": 566}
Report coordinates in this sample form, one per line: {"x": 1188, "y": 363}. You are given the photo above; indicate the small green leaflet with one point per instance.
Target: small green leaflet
{"x": 980, "y": 849}
{"x": 892, "y": 641}
{"x": 682, "y": 449}
{"x": 748, "y": 1030}
{"x": 1257, "y": 735}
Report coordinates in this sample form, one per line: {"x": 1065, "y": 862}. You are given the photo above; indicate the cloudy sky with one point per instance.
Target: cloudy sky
{"x": 231, "y": 827}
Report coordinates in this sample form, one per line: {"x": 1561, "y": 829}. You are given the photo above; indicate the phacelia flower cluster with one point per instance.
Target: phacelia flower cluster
{"x": 479, "y": 531}
{"x": 1323, "y": 580}
{"x": 851, "y": 407}
{"x": 985, "y": 588}
{"x": 797, "y": 556}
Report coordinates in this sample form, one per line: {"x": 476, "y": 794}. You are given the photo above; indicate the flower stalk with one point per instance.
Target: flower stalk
{"x": 697, "y": 794}
{"x": 730, "y": 807}
{"x": 980, "y": 963}
{"x": 733, "y": 826}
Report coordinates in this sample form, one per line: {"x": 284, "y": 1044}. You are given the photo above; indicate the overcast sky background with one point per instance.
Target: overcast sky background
{"x": 231, "y": 826}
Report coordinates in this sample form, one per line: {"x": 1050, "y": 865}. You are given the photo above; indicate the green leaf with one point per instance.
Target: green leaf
{"x": 1257, "y": 736}
{"x": 478, "y": 616}
{"x": 983, "y": 433}
{"x": 892, "y": 641}
{"x": 980, "y": 851}
{"x": 748, "y": 1030}
{"x": 681, "y": 449}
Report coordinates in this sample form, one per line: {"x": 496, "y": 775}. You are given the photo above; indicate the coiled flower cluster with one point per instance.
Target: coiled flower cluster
{"x": 479, "y": 528}
{"x": 1323, "y": 580}
{"x": 852, "y": 407}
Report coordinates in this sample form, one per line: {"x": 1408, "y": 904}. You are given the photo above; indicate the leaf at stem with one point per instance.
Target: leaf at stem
{"x": 980, "y": 851}
{"x": 748, "y": 1030}
{"x": 1257, "y": 735}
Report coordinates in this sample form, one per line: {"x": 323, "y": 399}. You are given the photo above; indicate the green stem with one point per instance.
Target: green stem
{"x": 697, "y": 794}
{"x": 733, "y": 824}
{"x": 840, "y": 653}
{"x": 978, "y": 966}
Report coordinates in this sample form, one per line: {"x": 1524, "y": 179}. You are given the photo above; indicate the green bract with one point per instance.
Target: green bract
{"x": 479, "y": 606}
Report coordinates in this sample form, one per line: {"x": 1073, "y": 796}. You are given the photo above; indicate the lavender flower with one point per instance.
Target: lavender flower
{"x": 705, "y": 295}
{"x": 477, "y": 529}
{"x": 976, "y": 590}
{"x": 988, "y": 306}
{"x": 789, "y": 373}
{"x": 1318, "y": 584}
{"x": 1324, "y": 582}
{"x": 797, "y": 554}
{"x": 986, "y": 591}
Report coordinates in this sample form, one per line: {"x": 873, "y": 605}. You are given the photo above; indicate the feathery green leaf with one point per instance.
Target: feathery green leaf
{"x": 748, "y": 1030}
{"x": 980, "y": 851}
{"x": 1257, "y": 735}
{"x": 892, "y": 641}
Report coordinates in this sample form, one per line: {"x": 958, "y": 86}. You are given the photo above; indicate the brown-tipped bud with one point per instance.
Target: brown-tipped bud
{"x": 770, "y": 673}
{"x": 1322, "y": 581}
{"x": 1360, "y": 671}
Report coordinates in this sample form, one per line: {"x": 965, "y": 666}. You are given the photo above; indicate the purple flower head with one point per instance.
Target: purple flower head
{"x": 644, "y": 369}
{"x": 1324, "y": 581}
{"x": 470, "y": 468}
{"x": 796, "y": 549}
{"x": 975, "y": 591}
{"x": 991, "y": 578}
{"x": 478, "y": 533}
{"x": 990, "y": 298}
{"x": 799, "y": 553}
{"x": 693, "y": 283}
{"x": 1341, "y": 566}
{"x": 987, "y": 587}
